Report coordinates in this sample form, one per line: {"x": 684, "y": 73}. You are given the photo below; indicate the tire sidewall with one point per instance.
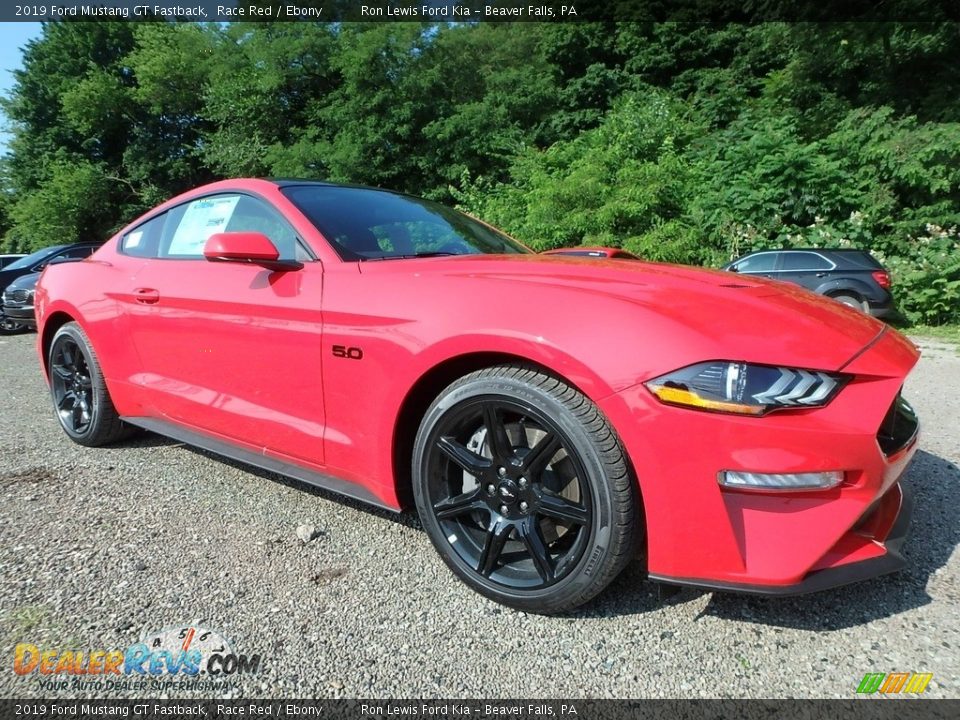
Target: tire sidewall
{"x": 850, "y": 301}
{"x": 597, "y": 548}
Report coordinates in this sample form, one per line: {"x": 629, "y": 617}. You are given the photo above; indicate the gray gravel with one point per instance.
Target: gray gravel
{"x": 99, "y": 546}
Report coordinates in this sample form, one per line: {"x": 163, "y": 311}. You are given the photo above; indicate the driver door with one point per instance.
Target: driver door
{"x": 231, "y": 349}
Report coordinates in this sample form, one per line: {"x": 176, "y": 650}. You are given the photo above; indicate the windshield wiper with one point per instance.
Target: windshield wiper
{"x": 433, "y": 253}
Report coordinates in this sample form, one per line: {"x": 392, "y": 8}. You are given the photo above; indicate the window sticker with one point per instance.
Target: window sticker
{"x": 201, "y": 219}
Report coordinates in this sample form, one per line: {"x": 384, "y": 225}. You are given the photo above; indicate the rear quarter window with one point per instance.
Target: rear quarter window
{"x": 144, "y": 239}
{"x": 861, "y": 259}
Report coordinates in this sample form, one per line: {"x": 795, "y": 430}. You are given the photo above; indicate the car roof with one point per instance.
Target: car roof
{"x": 813, "y": 250}
{"x": 298, "y": 182}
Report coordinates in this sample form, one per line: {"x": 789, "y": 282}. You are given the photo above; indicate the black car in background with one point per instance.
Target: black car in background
{"x": 853, "y": 277}
{"x": 8, "y": 259}
{"x": 21, "y": 318}
{"x": 16, "y": 304}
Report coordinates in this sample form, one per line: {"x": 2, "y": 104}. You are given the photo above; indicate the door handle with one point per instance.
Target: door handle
{"x": 147, "y": 296}
{"x": 821, "y": 274}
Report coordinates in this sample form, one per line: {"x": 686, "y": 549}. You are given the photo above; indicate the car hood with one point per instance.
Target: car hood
{"x": 728, "y": 313}
{"x": 25, "y": 282}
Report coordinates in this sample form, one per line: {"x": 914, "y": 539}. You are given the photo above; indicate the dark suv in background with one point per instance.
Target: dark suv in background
{"x": 853, "y": 277}
{"x": 18, "y": 279}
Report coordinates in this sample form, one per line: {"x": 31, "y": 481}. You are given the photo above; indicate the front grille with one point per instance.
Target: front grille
{"x": 898, "y": 428}
{"x": 20, "y": 297}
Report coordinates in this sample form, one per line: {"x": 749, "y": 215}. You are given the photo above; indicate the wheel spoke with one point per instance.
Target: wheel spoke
{"x": 459, "y": 505}
{"x": 77, "y": 416}
{"x": 541, "y": 454}
{"x": 522, "y": 441}
{"x": 468, "y": 460}
{"x": 84, "y": 381}
{"x": 533, "y": 541}
{"x": 560, "y": 508}
{"x": 67, "y": 396}
{"x": 497, "y": 437}
{"x": 62, "y": 372}
{"x": 497, "y": 535}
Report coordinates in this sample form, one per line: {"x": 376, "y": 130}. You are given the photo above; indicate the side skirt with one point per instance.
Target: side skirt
{"x": 265, "y": 462}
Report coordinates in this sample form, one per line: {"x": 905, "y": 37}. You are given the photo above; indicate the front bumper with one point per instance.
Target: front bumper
{"x": 779, "y": 543}
{"x": 22, "y": 314}
{"x": 831, "y": 577}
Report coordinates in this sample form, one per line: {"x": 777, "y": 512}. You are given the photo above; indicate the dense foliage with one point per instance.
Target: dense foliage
{"x": 684, "y": 143}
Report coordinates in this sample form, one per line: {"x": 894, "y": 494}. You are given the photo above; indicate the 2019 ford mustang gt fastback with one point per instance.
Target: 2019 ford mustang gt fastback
{"x": 549, "y": 417}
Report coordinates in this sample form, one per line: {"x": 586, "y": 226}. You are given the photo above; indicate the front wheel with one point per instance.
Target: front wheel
{"x": 524, "y": 489}
{"x": 80, "y": 396}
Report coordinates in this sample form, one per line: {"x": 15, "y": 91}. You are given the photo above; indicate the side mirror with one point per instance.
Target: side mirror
{"x": 246, "y": 247}
{"x": 733, "y": 268}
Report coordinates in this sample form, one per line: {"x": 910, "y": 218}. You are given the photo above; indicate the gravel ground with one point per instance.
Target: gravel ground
{"x": 101, "y": 546}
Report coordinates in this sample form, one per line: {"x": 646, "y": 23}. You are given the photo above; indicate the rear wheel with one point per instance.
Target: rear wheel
{"x": 851, "y": 301}
{"x": 80, "y": 396}
{"x": 524, "y": 489}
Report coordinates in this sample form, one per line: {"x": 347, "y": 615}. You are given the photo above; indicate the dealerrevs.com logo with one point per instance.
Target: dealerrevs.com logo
{"x": 175, "y": 657}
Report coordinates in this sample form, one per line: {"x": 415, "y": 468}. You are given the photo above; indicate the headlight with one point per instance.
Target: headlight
{"x": 745, "y": 389}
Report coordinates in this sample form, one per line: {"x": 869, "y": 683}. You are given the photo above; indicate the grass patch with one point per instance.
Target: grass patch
{"x": 949, "y": 333}
{"x": 28, "y": 618}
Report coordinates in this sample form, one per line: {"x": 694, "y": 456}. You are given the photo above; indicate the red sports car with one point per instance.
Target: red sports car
{"x": 551, "y": 418}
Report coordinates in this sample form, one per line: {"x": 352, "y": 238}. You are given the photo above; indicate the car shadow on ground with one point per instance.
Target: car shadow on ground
{"x": 934, "y": 533}
{"x": 406, "y": 518}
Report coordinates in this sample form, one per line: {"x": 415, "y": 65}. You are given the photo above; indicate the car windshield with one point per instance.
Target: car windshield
{"x": 31, "y": 259}
{"x": 368, "y": 224}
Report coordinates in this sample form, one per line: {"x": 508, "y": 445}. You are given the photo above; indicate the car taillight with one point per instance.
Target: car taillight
{"x": 882, "y": 277}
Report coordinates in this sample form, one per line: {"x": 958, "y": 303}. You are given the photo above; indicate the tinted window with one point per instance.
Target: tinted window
{"x": 32, "y": 259}
{"x": 74, "y": 253}
{"x": 862, "y": 259}
{"x": 365, "y": 224}
{"x": 764, "y": 262}
{"x": 188, "y": 226}
{"x": 144, "y": 240}
{"x": 804, "y": 261}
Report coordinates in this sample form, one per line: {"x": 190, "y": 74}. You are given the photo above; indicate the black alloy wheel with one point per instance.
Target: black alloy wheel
{"x": 71, "y": 385}
{"x": 528, "y": 503}
{"x": 79, "y": 392}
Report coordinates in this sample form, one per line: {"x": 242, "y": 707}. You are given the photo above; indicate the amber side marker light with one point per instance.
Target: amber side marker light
{"x": 679, "y": 396}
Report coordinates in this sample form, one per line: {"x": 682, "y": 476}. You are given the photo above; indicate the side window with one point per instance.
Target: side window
{"x": 253, "y": 215}
{"x": 764, "y": 262}
{"x": 144, "y": 239}
{"x": 190, "y": 225}
{"x": 804, "y": 261}
{"x": 79, "y": 252}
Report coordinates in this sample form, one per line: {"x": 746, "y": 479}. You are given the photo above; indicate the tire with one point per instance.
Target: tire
{"x": 80, "y": 398}
{"x": 850, "y": 301}
{"x": 524, "y": 489}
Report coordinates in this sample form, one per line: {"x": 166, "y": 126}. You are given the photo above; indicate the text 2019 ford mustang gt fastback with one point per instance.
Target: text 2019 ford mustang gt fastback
{"x": 550, "y": 417}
